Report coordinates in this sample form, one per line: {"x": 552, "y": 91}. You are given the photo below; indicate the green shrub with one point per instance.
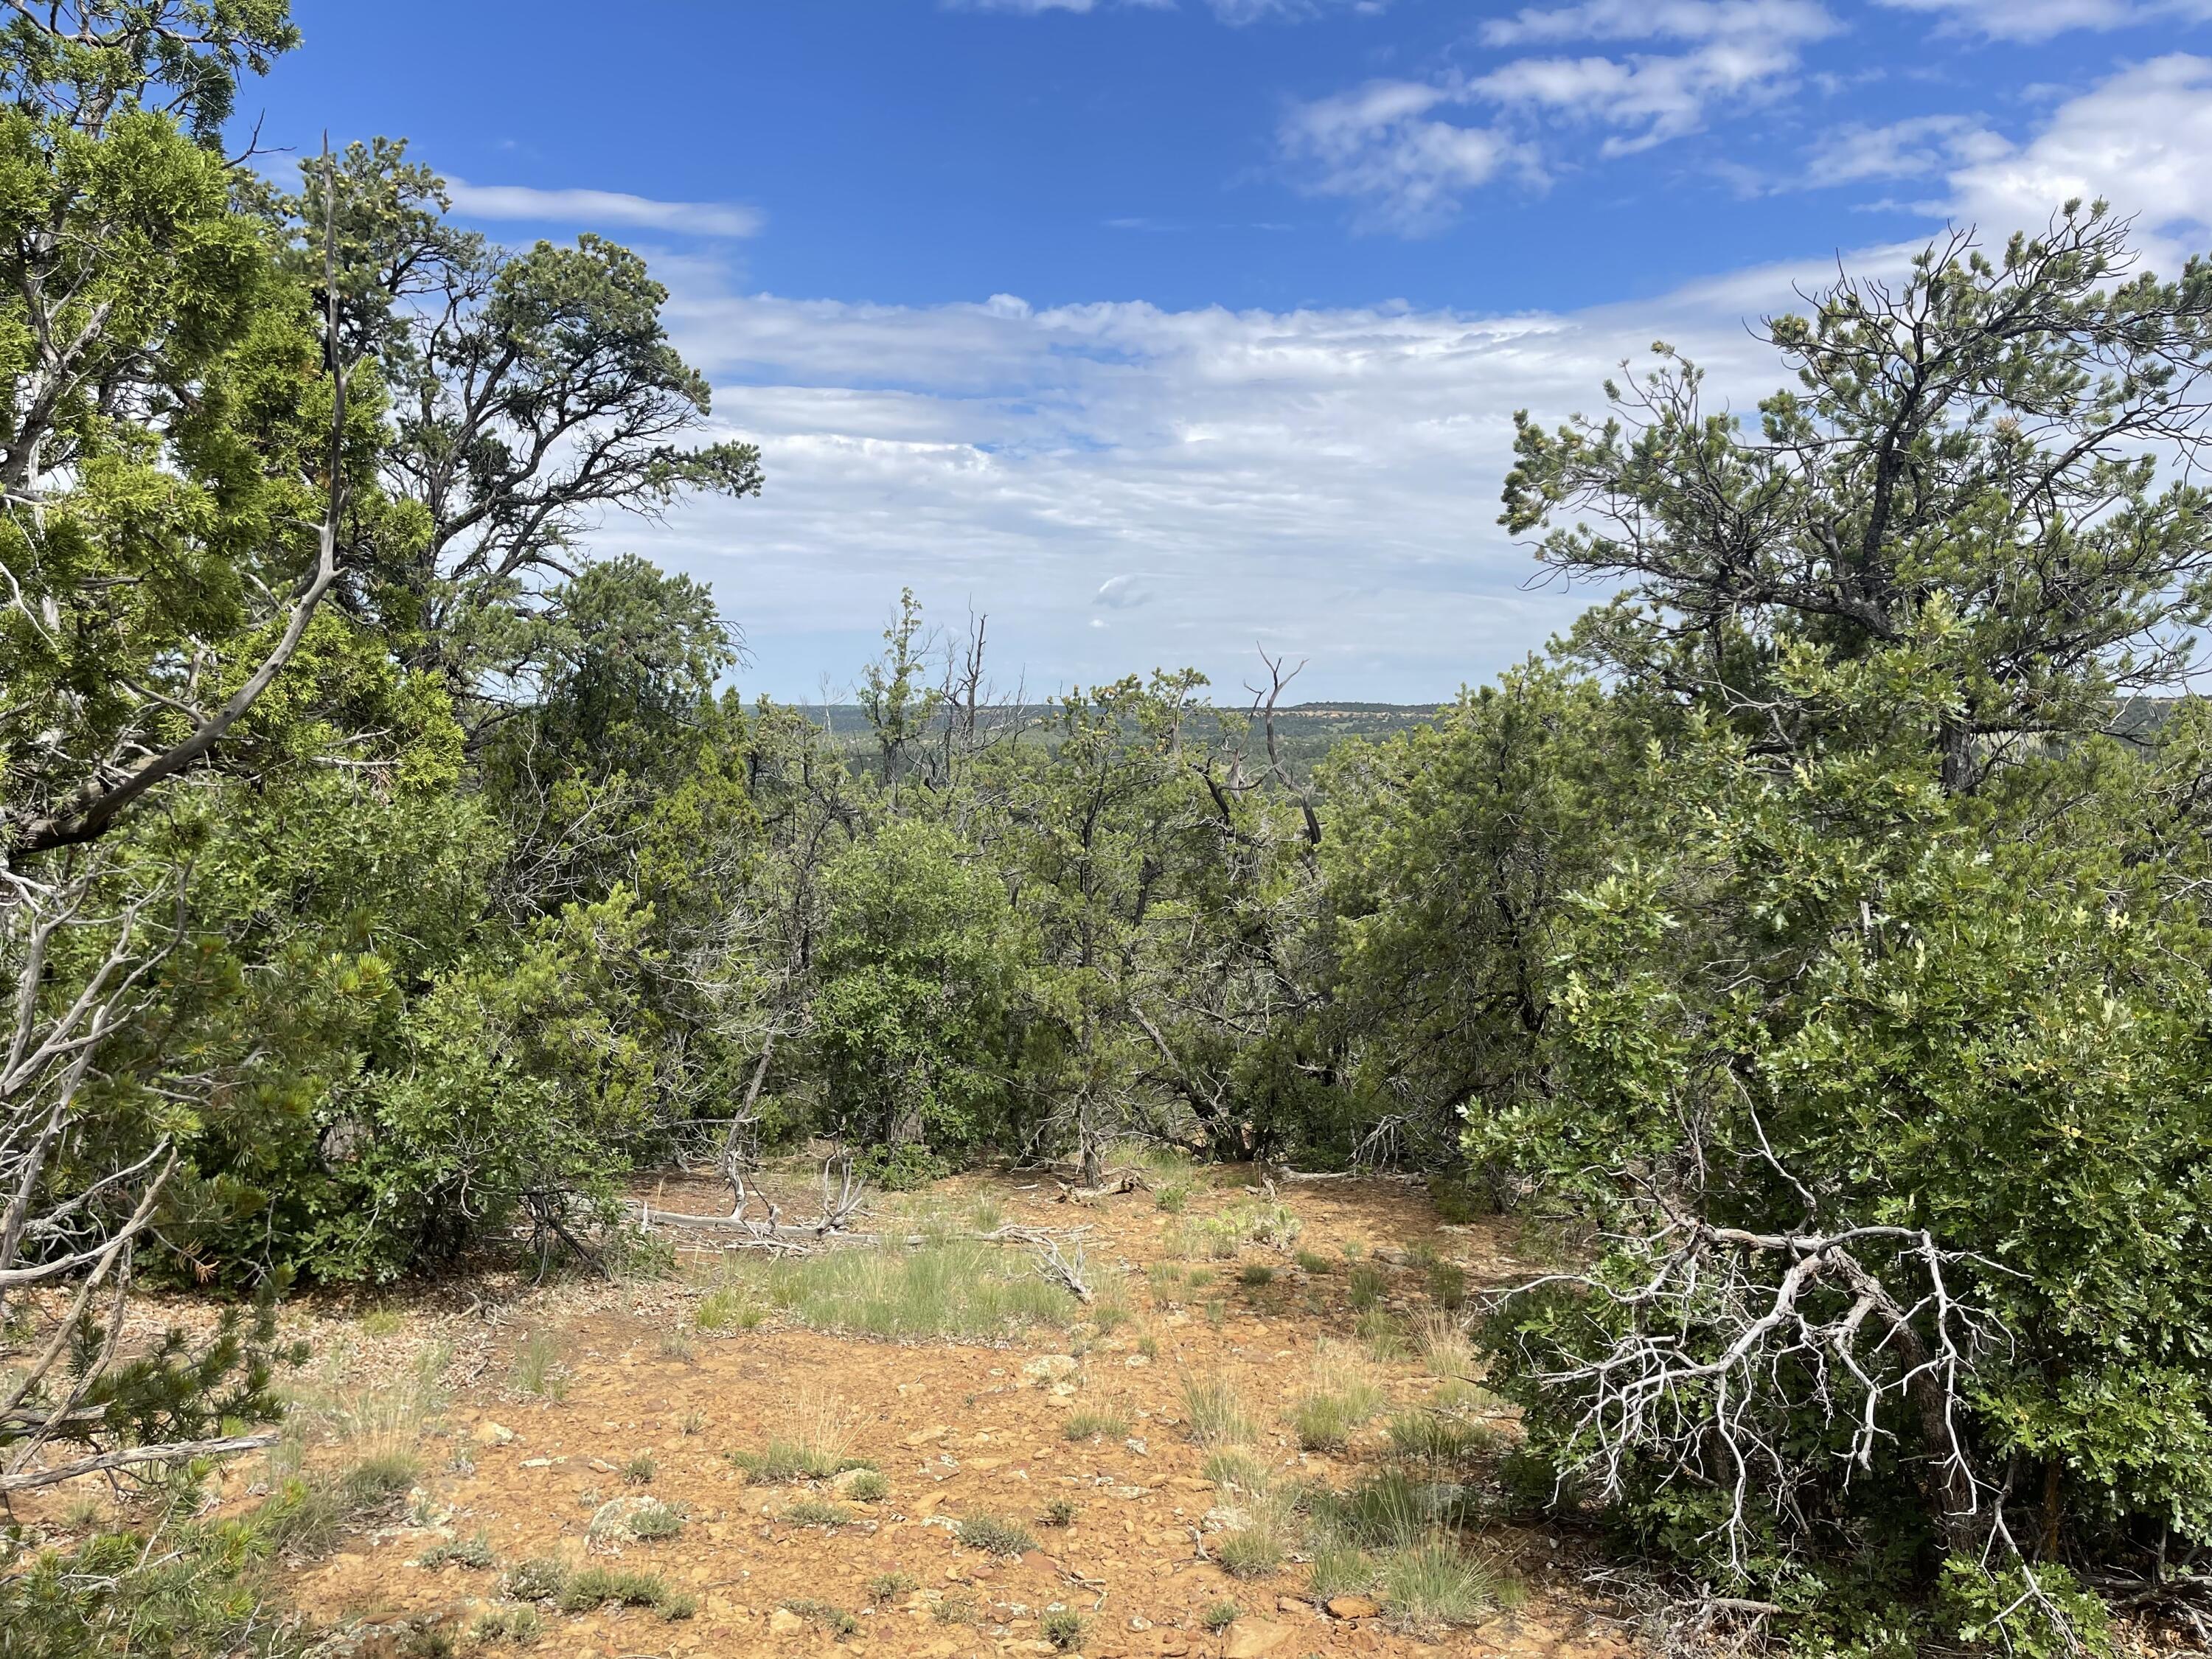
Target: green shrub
{"x": 1059, "y": 1512}
{"x": 994, "y": 1534}
{"x": 1318, "y": 1265}
{"x": 1063, "y": 1627}
{"x": 813, "y": 1512}
{"x": 594, "y": 1587}
{"x": 1220, "y": 1616}
{"x": 1095, "y": 1423}
{"x": 541, "y": 1578}
{"x": 885, "y": 1585}
{"x": 867, "y": 1487}
{"x": 459, "y": 1552}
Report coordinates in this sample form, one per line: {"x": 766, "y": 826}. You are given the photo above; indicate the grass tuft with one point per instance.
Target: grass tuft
{"x": 885, "y": 1585}
{"x": 867, "y": 1487}
{"x": 1220, "y": 1616}
{"x": 1431, "y": 1583}
{"x": 536, "y": 1368}
{"x": 1095, "y": 1423}
{"x": 948, "y": 1287}
{"x": 1215, "y": 1413}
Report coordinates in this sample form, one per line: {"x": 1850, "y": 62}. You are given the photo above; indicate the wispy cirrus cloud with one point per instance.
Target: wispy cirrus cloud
{"x": 601, "y": 207}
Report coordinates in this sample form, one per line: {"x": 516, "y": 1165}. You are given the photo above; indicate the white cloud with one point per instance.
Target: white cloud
{"x": 601, "y": 207}
{"x": 1671, "y": 20}
{"x": 1904, "y": 149}
{"x": 1381, "y": 144}
{"x": 2039, "y": 20}
{"x": 1654, "y": 96}
{"x": 1325, "y": 482}
{"x": 1390, "y": 143}
{"x": 2139, "y": 138}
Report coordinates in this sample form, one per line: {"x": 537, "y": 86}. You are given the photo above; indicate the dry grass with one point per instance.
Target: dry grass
{"x": 1215, "y": 1413}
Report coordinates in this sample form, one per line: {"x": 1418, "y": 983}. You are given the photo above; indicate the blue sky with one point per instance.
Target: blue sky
{"x": 1162, "y": 332}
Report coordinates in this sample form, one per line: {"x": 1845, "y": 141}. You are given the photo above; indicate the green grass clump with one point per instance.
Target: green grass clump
{"x": 594, "y": 1587}
{"x": 1173, "y": 1194}
{"x": 867, "y": 1487}
{"x": 1365, "y": 1286}
{"x": 1063, "y": 1628}
{"x": 1061, "y": 1512}
{"x": 827, "y": 1614}
{"x": 1429, "y": 1437}
{"x": 782, "y": 1461}
{"x": 953, "y": 1610}
{"x": 1448, "y": 1285}
{"x": 813, "y": 1512}
{"x": 1256, "y": 1276}
{"x": 1235, "y": 1468}
{"x": 727, "y": 1307}
{"x": 459, "y": 1552}
{"x": 1324, "y": 1422}
{"x": 640, "y": 1470}
{"x": 1166, "y": 1278}
{"x": 1215, "y": 1413}
{"x": 885, "y": 1585}
{"x": 994, "y": 1534}
{"x": 1389, "y": 1510}
{"x": 948, "y": 1287}
{"x": 537, "y": 1369}
{"x": 1380, "y": 1335}
{"x": 1249, "y": 1551}
{"x": 1339, "y": 1570}
{"x": 1094, "y": 1424}
{"x": 1315, "y": 1263}
{"x": 1431, "y": 1583}
{"x": 1220, "y": 1616}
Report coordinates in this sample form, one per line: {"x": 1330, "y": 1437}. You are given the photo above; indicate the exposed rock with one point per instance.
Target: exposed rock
{"x": 1352, "y": 1607}
{"x": 1249, "y": 1638}
{"x": 1050, "y": 1368}
{"x": 488, "y": 1433}
{"x": 784, "y": 1622}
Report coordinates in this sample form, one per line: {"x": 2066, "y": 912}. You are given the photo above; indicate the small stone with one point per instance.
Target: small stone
{"x": 1352, "y": 1607}
{"x": 1050, "y": 1367}
{"x": 784, "y": 1622}
{"x": 924, "y": 1436}
{"x": 1136, "y": 1362}
{"x": 1291, "y": 1604}
{"x": 488, "y": 1433}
